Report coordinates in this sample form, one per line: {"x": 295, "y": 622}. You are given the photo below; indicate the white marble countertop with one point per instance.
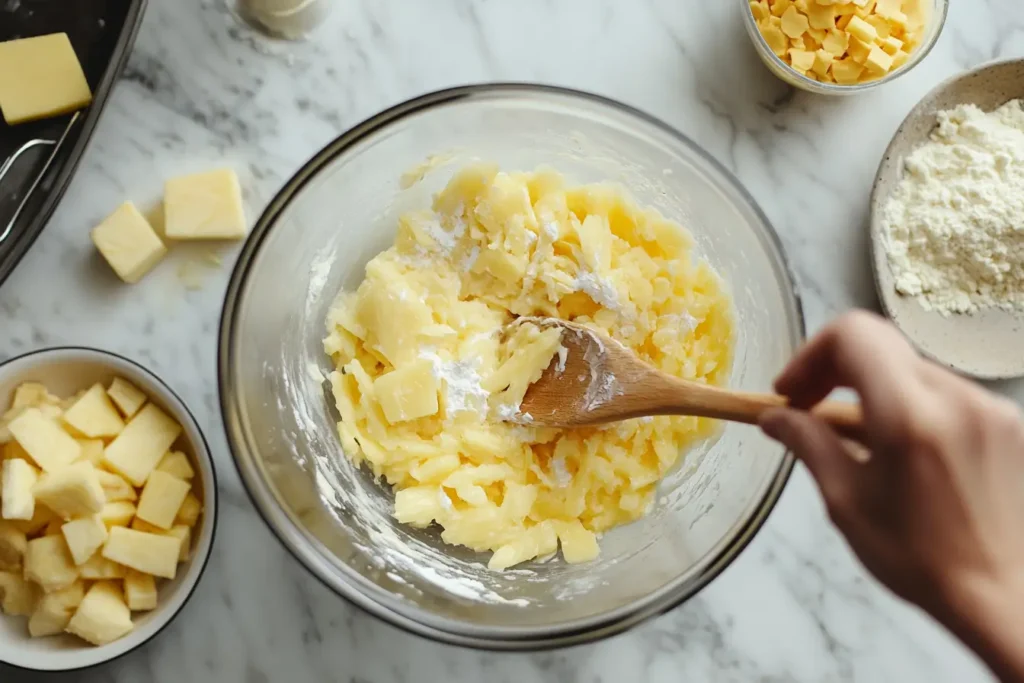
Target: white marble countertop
{"x": 200, "y": 90}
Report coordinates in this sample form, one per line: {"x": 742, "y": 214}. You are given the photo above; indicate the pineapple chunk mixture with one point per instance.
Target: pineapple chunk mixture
{"x": 429, "y": 386}
{"x": 94, "y": 507}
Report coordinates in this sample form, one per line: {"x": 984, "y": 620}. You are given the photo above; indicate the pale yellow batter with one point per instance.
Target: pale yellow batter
{"x": 428, "y": 386}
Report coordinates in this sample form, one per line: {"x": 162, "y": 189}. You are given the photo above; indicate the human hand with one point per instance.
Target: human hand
{"x": 934, "y": 508}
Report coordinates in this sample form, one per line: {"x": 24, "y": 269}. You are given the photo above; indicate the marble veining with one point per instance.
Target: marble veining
{"x": 200, "y": 90}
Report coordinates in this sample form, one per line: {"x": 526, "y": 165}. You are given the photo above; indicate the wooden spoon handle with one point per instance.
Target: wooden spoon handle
{"x": 735, "y": 406}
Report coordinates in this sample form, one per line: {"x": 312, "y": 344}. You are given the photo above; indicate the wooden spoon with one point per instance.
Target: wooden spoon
{"x": 602, "y": 381}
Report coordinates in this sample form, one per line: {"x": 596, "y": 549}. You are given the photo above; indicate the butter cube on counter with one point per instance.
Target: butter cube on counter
{"x": 74, "y": 491}
{"x": 154, "y": 554}
{"x": 126, "y": 396}
{"x": 142, "y": 444}
{"x": 204, "y": 206}
{"x": 103, "y": 616}
{"x": 94, "y": 415}
{"x": 16, "y": 482}
{"x": 161, "y": 499}
{"x": 46, "y": 443}
{"x": 128, "y": 243}
{"x": 48, "y": 562}
{"x": 40, "y": 77}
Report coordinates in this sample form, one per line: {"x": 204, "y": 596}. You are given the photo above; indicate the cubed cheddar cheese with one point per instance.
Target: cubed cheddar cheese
{"x": 204, "y": 206}
{"x": 128, "y": 243}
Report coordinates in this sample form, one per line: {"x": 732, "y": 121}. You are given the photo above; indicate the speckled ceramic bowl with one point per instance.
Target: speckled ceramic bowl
{"x": 985, "y": 345}
{"x": 65, "y": 371}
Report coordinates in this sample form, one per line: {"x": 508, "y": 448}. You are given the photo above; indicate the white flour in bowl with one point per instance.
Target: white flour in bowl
{"x": 953, "y": 229}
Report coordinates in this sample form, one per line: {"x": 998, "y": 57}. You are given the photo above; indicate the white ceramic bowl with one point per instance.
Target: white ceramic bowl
{"x": 64, "y": 371}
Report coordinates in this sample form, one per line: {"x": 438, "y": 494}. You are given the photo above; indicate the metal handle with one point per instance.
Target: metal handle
{"x": 9, "y": 163}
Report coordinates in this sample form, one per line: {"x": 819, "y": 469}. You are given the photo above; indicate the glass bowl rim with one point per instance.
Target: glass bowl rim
{"x": 811, "y": 85}
{"x": 404, "y": 615}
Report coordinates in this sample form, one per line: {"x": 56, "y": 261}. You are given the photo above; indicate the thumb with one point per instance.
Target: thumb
{"x": 815, "y": 444}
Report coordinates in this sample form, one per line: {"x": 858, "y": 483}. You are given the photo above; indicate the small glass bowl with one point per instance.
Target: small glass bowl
{"x": 785, "y": 72}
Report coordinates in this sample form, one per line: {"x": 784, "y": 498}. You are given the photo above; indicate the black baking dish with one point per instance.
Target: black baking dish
{"x": 102, "y": 33}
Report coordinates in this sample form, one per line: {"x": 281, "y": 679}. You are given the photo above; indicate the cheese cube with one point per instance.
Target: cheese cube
{"x": 119, "y": 513}
{"x": 204, "y": 206}
{"x": 892, "y": 45}
{"x": 177, "y": 463}
{"x": 92, "y": 451}
{"x": 54, "y": 610}
{"x": 126, "y": 396}
{"x": 408, "y": 393}
{"x": 40, "y": 77}
{"x": 128, "y": 243}
{"x": 148, "y": 553}
{"x": 46, "y": 443}
{"x": 99, "y": 567}
{"x": 74, "y": 491}
{"x": 140, "y": 591}
{"x": 12, "y": 546}
{"x": 183, "y": 534}
{"x": 103, "y": 617}
{"x": 18, "y": 478}
{"x": 862, "y": 30}
{"x": 32, "y": 395}
{"x": 142, "y": 444}
{"x": 190, "y": 510}
{"x": 18, "y": 596}
{"x": 93, "y": 415}
{"x": 878, "y": 62}
{"x": 859, "y": 50}
{"x": 161, "y": 499}
{"x": 115, "y": 488}
{"x": 84, "y": 537}
{"x": 48, "y": 562}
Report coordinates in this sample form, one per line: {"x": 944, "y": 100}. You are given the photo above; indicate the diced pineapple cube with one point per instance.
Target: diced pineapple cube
{"x": 94, "y": 415}
{"x": 177, "y": 463}
{"x": 117, "y": 514}
{"x": 12, "y": 546}
{"x": 46, "y": 443}
{"x": 84, "y": 537}
{"x": 154, "y": 554}
{"x": 140, "y": 591}
{"x": 190, "y": 511}
{"x": 408, "y": 393}
{"x": 183, "y": 534}
{"x": 126, "y": 396}
{"x": 102, "y": 617}
{"x": 161, "y": 499}
{"x": 141, "y": 445}
{"x": 116, "y": 488}
{"x": 92, "y": 451}
{"x": 74, "y": 491}
{"x": 18, "y": 479}
{"x": 99, "y": 567}
{"x": 48, "y": 562}
{"x": 17, "y": 595}
{"x": 54, "y": 610}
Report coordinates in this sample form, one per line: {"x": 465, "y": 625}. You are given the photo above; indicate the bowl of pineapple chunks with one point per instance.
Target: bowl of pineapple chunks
{"x": 107, "y": 507}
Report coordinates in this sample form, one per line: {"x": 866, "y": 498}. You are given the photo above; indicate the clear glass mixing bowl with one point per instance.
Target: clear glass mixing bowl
{"x": 314, "y": 239}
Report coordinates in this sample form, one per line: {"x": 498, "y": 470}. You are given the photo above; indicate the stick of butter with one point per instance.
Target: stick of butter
{"x": 40, "y": 77}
